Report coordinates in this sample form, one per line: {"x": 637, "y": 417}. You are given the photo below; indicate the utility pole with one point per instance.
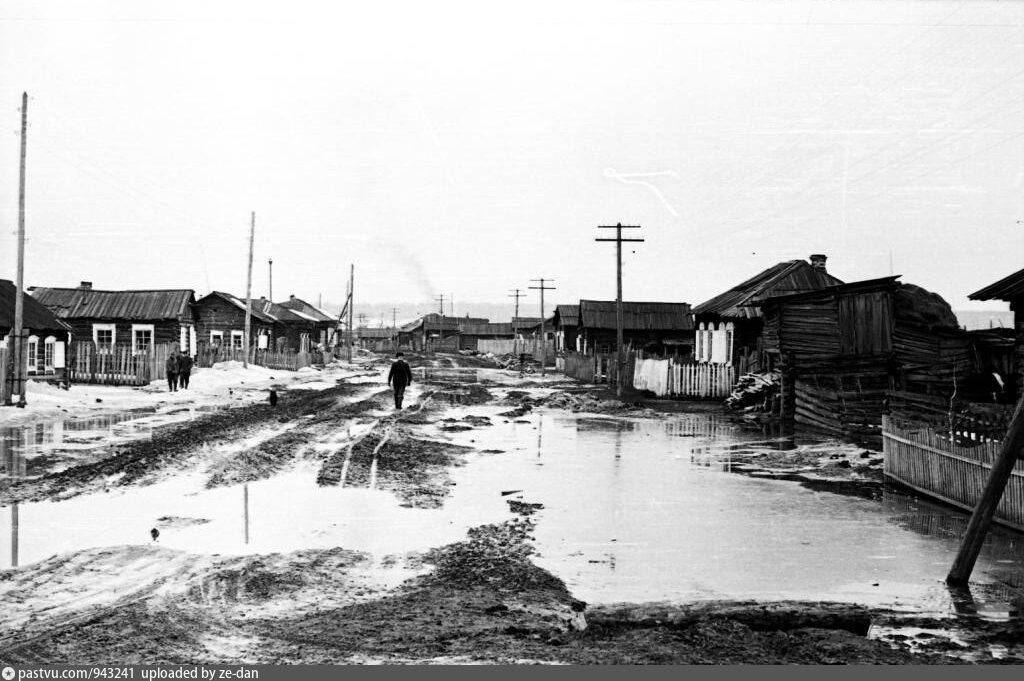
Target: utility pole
{"x": 440, "y": 302}
{"x": 544, "y": 351}
{"x": 394, "y": 317}
{"x": 270, "y": 280}
{"x": 451, "y": 304}
{"x": 351, "y": 302}
{"x": 977, "y": 527}
{"x": 18, "y": 335}
{"x": 618, "y": 297}
{"x": 248, "y": 297}
{"x": 515, "y": 318}
{"x": 362, "y": 319}
{"x": 394, "y": 329}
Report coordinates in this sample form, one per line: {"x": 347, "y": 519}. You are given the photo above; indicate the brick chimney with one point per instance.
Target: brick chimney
{"x": 818, "y": 261}
{"x": 85, "y": 285}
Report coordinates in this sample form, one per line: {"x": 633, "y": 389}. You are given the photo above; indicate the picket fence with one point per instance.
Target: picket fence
{"x": 504, "y": 346}
{"x": 290, "y": 361}
{"x": 118, "y": 365}
{"x": 666, "y": 377}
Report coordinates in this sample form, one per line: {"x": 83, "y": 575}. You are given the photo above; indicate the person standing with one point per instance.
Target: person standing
{"x": 399, "y": 377}
{"x": 172, "y": 371}
{"x": 185, "y": 364}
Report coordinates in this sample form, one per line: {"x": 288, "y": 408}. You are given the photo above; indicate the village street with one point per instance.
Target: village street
{"x": 330, "y": 528}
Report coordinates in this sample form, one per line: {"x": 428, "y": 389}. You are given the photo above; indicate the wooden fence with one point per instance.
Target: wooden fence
{"x": 118, "y": 365}
{"x": 5, "y": 378}
{"x": 580, "y": 367}
{"x": 286, "y": 360}
{"x": 667, "y": 377}
{"x": 952, "y": 467}
{"x": 507, "y": 346}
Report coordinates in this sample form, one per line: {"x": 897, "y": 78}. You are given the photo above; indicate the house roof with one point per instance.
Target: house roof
{"x": 367, "y": 332}
{"x": 34, "y": 315}
{"x": 281, "y": 314}
{"x": 568, "y": 315}
{"x": 299, "y": 305}
{"x": 257, "y": 313}
{"x": 88, "y": 303}
{"x": 792, "y": 276}
{"x": 638, "y": 316}
{"x": 434, "y": 321}
{"x": 1007, "y": 288}
{"x": 488, "y": 329}
{"x": 866, "y": 285}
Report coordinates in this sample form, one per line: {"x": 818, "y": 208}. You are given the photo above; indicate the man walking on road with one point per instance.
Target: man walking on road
{"x": 399, "y": 377}
{"x": 172, "y": 371}
{"x": 184, "y": 369}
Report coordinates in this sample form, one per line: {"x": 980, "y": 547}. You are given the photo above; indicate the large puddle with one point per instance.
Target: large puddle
{"x": 633, "y": 510}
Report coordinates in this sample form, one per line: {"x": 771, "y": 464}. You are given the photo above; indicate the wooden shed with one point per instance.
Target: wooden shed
{"x": 566, "y": 323}
{"x": 1010, "y": 289}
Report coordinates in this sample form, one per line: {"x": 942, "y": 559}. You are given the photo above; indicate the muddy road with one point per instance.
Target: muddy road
{"x": 495, "y": 519}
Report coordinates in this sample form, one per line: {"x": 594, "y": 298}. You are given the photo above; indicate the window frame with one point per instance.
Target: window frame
{"x": 112, "y": 328}
{"x": 151, "y": 328}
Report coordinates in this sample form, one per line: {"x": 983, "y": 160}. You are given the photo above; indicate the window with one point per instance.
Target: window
{"x": 49, "y": 354}
{"x": 33, "y": 354}
{"x": 217, "y": 338}
{"x": 700, "y": 343}
{"x": 728, "y": 343}
{"x": 711, "y": 342}
{"x": 142, "y": 338}
{"x": 236, "y": 339}
{"x": 104, "y": 336}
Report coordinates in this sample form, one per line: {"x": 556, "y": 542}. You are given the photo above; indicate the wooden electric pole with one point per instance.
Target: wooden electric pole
{"x": 981, "y": 518}
{"x": 543, "y": 341}
{"x": 270, "y": 280}
{"x": 515, "y": 318}
{"x": 248, "y": 297}
{"x": 18, "y": 335}
{"x": 618, "y": 297}
{"x": 351, "y": 301}
{"x": 394, "y": 329}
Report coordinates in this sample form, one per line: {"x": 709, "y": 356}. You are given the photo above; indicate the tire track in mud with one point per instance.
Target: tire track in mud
{"x": 176, "y": 445}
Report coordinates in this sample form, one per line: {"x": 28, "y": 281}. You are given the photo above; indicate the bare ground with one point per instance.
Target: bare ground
{"x": 477, "y": 600}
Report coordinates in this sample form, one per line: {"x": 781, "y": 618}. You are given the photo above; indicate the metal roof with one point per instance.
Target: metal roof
{"x": 257, "y": 313}
{"x": 1007, "y": 288}
{"x": 299, "y": 305}
{"x": 568, "y": 314}
{"x": 646, "y": 316}
{"x": 35, "y": 316}
{"x": 792, "y": 276}
{"x": 488, "y": 329}
{"x": 88, "y": 303}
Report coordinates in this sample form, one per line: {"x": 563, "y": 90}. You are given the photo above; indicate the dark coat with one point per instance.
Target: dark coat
{"x": 172, "y": 364}
{"x": 400, "y": 373}
{"x": 185, "y": 364}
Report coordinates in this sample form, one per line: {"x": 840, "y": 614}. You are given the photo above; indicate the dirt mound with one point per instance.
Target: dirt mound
{"x": 591, "y": 404}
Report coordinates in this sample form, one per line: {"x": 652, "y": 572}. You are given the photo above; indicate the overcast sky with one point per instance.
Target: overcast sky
{"x": 468, "y": 148}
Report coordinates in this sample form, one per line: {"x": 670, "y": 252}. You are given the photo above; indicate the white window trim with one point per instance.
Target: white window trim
{"x": 112, "y": 328}
{"x": 217, "y": 337}
{"x": 50, "y": 347}
{"x": 144, "y": 327}
{"x": 33, "y": 354}
{"x": 240, "y": 335}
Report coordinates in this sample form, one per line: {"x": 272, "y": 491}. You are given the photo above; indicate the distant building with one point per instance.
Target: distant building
{"x": 663, "y": 328}
{"x": 138, "y": 319}
{"x": 471, "y": 334}
{"x": 566, "y": 323}
{"x": 728, "y": 326}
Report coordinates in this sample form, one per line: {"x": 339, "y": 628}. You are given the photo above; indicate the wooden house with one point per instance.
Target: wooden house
{"x": 137, "y": 319}
{"x": 48, "y": 337}
{"x": 662, "y": 328}
{"x": 471, "y": 334}
{"x": 430, "y": 332}
{"x": 849, "y": 352}
{"x": 728, "y": 327}
{"x": 566, "y": 323}
{"x": 293, "y": 331}
{"x": 377, "y": 340}
{"x": 1011, "y": 290}
{"x": 220, "y": 323}
{"x": 323, "y": 323}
